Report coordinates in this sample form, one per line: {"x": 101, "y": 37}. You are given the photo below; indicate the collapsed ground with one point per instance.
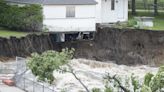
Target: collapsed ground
{"x": 122, "y": 46}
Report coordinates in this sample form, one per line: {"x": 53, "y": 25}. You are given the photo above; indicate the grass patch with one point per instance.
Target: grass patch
{"x": 148, "y": 5}
{"x": 158, "y": 20}
{"x": 8, "y": 33}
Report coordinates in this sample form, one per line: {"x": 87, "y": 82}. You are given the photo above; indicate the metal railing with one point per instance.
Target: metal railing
{"x": 7, "y": 68}
{"x": 25, "y": 83}
{"x": 32, "y": 86}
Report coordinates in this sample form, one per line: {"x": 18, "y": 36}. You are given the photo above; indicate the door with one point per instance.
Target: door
{"x": 109, "y": 13}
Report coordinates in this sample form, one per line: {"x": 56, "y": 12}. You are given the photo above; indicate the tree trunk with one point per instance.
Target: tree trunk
{"x": 145, "y": 4}
{"x": 133, "y": 7}
{"x": 155, "y": 7}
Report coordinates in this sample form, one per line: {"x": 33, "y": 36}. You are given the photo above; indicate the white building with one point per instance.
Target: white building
{"x": 79, "y": 15}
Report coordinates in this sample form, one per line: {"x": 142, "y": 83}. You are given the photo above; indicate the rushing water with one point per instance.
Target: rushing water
{"x": 92, "y": 74}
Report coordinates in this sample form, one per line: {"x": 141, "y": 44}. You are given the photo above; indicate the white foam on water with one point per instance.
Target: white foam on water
{"x": 92, "y": 73}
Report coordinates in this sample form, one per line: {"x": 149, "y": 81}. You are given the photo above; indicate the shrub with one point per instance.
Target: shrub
{"x": 25, "y": 18}
{"x": 148, "y": 78}
{"x": 108, "y": 89}
{"x": 96, "y": 90}
{"x": 135, "y": 82}
{"x": 145, "y": 89}
{"x": 157, "y": 81}
{"x": 132, "y": 23}
{"x": 152, "y": 83}
{"x": 43, "y": 65}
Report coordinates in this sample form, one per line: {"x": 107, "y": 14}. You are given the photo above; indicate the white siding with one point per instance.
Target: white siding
{"x": 86, "y": 16}
{"x": 126, "y": 10}
{"x": 104, "y": 14}
{"x": 98, "y": 11}
{"x": 85, "y": 11}
{"x": 51, "y": 12}
{"x": 71, "y": 24}
{"x": 55, "y": 18}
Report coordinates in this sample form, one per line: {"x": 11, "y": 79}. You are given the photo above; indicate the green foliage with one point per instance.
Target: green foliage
{"x": 24, "y": 18}
{"x": 157, "y": 81}
{"x": 96, "y": 90}
{"x": 132, "y": 23}
{"x": 114, "y": 83}
{"x": 148, "y": 78}
{"x": 161, "y": 69}
{"x": 108, "y": 89}
{"x": 135, "y": 82}
{"x": 43, "y": 65}
{"x": 145, "y": 88}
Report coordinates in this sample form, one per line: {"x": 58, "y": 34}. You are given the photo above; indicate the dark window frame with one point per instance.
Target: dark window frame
{"x": 70, "y": 11}
{"x": 112, "y": 4}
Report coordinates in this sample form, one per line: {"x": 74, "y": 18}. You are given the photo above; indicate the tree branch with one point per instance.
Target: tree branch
{"x": 72, "y": 72}
{"x": 119, "y": 83}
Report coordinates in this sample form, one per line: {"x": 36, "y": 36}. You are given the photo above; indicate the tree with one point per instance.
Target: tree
{"x": 43, "y": 65}
{"x": 155, "y": 7}
{"x": 25, "y": 18}
{"x": 133, "y": 7}
{"x": 151, "y": 83}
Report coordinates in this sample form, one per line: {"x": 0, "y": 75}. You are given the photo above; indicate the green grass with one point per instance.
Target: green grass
{"x": 158, "y": 20}
{"x": 148, "y": 4}
{"x": 158, "y": 24}
{"x": 150, "y": 1}
{"x": 8, "y": 33}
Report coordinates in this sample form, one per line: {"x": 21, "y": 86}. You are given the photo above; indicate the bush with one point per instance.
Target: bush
{"x": 43, "y": 65}
{"x": 148, "y": 78}
{"x": 96, "y": 90}
{"x": 157, "y": 82}
{"x": 132, "y": 23}
{"x": 108, "y": 89}
{"x": 145, "y": 89}
{"x": 26, "y": 18}
{"x": 151, "y": 83}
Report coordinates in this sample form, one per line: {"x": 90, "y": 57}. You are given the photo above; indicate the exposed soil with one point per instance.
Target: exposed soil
{"x": 122, "y": 46}
{"x": 5, "y": 59}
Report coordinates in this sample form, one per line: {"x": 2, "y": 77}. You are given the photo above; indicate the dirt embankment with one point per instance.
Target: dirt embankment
{"x": 123, "y": 46}
{"x": 25, "y": 46}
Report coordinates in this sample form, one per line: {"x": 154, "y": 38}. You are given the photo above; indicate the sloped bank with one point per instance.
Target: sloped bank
{"x": 26, "y": 45}
{"x": 123, "y": 46}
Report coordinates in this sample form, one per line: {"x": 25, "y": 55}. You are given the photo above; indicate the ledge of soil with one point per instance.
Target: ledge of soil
{"x": 122, "y": 46}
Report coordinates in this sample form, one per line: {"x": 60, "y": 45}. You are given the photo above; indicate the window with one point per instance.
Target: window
{"x": 70, "y": 11}
{"x": 112, "y": 4}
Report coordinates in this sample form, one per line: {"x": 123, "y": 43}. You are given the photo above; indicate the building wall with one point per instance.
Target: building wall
{"x": 86, "y": 16}
{"x": 104, "y": 14}
{"x": 98, "y": 11}
{"x": 55, "y": 18}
